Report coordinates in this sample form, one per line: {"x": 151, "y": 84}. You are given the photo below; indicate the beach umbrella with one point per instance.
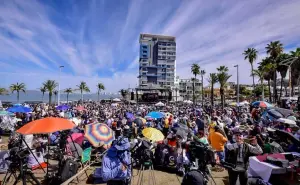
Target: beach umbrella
{"x": 153, "y": 134}
{"x": 77, "y": 138}
{"x": 62, "y": 107}
{"x": 156, "y": 115}
{"x": 80, "y": 108}
{"x": 138, "y": 121}
{"x": 129, "y": 115}
{"x": 283, "y": 134}
{"x": 262, "y": 104}
{"x": 99, "y": 134}
{"x": 46, "y": 125}
{"x": 292, "y": 118}
{"x": 286, "y": 121}
{"x": 19, "y": 108}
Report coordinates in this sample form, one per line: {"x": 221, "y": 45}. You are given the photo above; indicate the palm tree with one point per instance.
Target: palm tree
{"x": 282, "y": 69}
{"x": 195, "y": 69}
{"x": 18, "y": 87}
{"x": 223, "y": 77}
{"x": 124, "y": 93}
{"x": 274, "y": 49}
{"x": 100, "y": 87}
{"x": 295, "y": 69}
{"x": 43, "y": 90}
{"x": 50, "y": 86}
{"x": 68, "y": 91}
{"x": 213, "y": 79}
{"x": 83, "y": 88}
{"x": 251, "y": 55}
{"x": 55, "y": 94}
{"x": 268, "y": 74}
{"x": 202, "y": 73}
{"x": 260, "y": 74}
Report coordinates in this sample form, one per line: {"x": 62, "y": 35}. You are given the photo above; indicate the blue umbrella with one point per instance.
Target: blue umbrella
{"x": 62, "y": 107}
{"x": 20, "y": 109}
{"x": 130, "y": 116}
{"x": 156, "y": 115}
{"x": 263, "y": 104}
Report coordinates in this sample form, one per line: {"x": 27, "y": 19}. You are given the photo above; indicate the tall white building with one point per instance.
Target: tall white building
{"x": 157, "y": 63}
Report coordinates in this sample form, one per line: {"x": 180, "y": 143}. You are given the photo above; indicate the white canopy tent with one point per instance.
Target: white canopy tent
{"x": 116, "y": 100}
{"x": 160, "y": 104}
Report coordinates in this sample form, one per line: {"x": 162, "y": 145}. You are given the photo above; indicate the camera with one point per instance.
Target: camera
{"x": 203, "y": 153}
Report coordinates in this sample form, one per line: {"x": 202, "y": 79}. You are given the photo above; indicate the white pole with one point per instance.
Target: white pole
{"x": 58, "y": 98}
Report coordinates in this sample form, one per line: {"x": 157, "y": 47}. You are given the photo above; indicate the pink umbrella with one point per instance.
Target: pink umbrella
{"x": 80, "y": 108}
{"x": 77, "y": 138}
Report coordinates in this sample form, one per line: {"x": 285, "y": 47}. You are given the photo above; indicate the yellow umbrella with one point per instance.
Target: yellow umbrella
{"x": 153, "y": 134}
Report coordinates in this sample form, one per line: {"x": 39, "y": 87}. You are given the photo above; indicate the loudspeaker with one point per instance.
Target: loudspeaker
{"x": 170, "y": 96}
{"x": 132, "y": 96}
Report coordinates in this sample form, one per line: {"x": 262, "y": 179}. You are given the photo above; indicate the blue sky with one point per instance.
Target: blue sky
{"x": 97, "y": 40}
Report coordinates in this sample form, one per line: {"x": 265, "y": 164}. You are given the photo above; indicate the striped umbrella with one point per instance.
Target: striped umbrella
{"x": 99, "y": 134}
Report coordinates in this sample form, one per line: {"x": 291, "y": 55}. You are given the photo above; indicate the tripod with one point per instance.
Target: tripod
{"x": 146, "y": 165}
{"x": 24, "y": 172}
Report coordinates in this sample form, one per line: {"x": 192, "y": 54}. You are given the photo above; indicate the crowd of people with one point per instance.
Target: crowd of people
{"x": 234, "y": 134}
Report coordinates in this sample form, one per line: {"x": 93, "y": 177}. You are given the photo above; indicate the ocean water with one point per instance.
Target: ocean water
{"x": 37, "y": 96}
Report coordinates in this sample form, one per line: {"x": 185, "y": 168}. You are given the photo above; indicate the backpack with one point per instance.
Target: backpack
{"x": 70, "y": 168}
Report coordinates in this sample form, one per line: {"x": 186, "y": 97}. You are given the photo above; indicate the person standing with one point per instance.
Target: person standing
{"x": 238, "y": 155}
{"x": 217, "y": 141}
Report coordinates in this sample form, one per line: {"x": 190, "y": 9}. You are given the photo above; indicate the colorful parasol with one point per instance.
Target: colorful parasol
{"x": 4, "y": 113}
{"x": 46, "y": 125}
{"x": 262, "y": 104}
{"x": 153, "y": 134}
{"x": 99, "y": 134}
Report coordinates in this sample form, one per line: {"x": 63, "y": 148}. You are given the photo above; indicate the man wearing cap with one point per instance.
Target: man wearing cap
{"x": 238, "y": 156}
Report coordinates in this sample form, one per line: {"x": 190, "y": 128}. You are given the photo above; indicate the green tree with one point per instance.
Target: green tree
{"x": 3, "y": 91}
{"x": 43, "y": 90}
{"x": 260, "y": 75}
{"x": 223, "y": 77}
{"x": 259, "y": 91}
{"x": 100, "y": 87}
{"x": 195, "y": 69}
{"x": 83, "y": 88}
{"x": 282, "y": 69}
{"x": 213, "y": 79}
{"x": 50, "y": 86}
{"x": 18, "y": 87}
{"x": 274, "y": 49}
{"x": 202, "y": 73}
{"x": 295, "y": 69}
{"x": 68, "y": 91}
{"x": 251, "y": 55}
{"x": 268, "y": 74}
{"x": 55, "y": 95}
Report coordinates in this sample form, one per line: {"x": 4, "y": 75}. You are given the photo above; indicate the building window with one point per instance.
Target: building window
{"x": 145, "y": 52}
{"x": 144, "y": 56}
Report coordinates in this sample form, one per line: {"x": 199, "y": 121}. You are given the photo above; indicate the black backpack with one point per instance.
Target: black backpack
{"x": 70, "y": 168}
